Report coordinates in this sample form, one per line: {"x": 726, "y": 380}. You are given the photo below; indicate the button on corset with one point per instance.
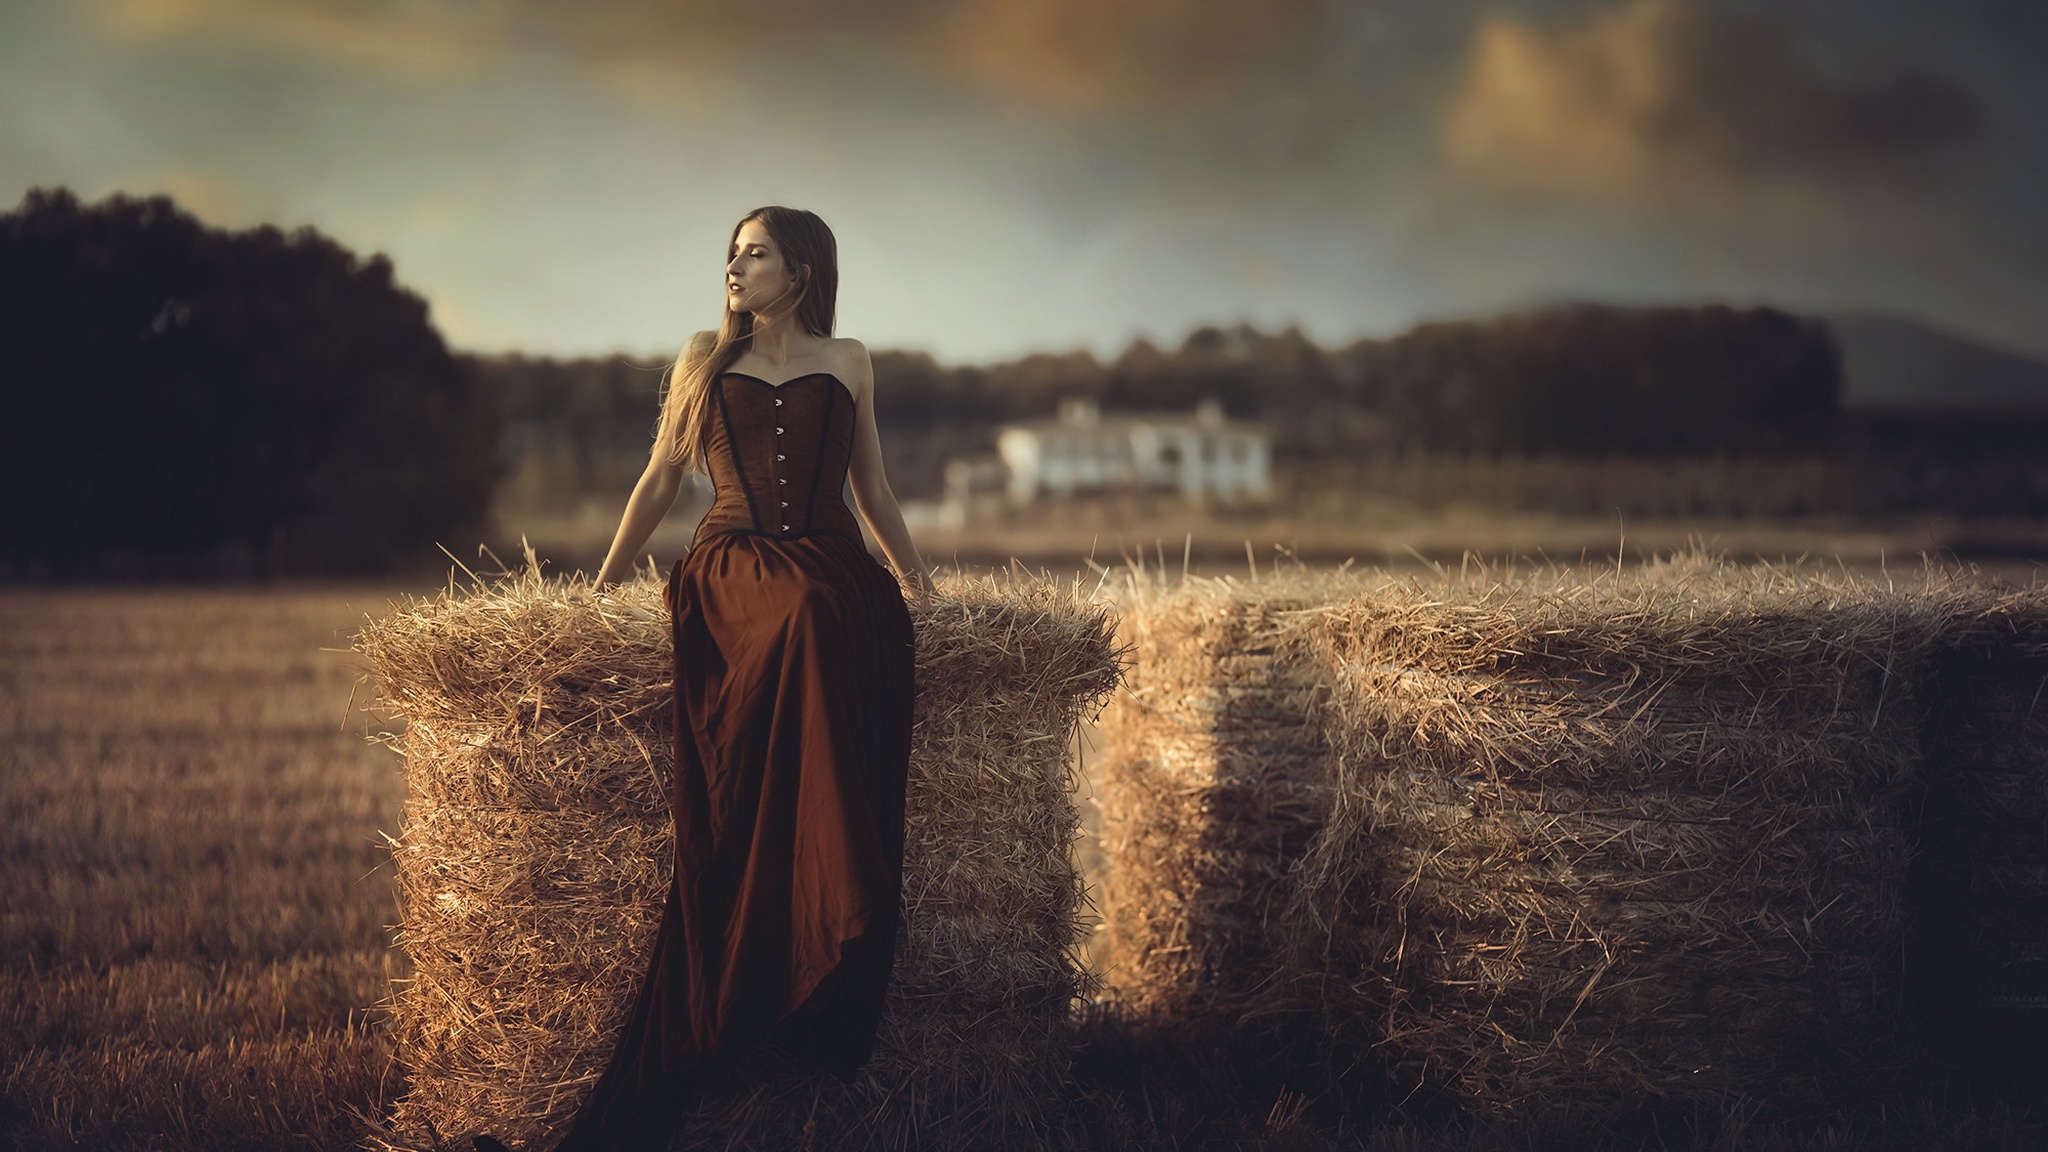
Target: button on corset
{"x": 777, "y": 456}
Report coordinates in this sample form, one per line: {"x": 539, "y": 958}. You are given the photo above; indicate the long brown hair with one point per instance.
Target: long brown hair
{"x": 810, "y": 251}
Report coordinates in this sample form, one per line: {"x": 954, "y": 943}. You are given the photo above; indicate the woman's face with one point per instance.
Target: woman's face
{"x": 756, "y": 276}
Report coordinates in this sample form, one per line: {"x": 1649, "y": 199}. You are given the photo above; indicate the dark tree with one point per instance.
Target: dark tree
{"x": 1599, "y": 381}
{"x": 184, "y": 401}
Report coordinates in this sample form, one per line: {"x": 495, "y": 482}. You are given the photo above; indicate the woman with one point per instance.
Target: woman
{"x": 792, "y": 693}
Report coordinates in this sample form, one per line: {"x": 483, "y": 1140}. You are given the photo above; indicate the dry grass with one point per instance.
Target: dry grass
{"x": 192, "y": 911}
{"x": 1980, "y": 876}
{"x": 536, "y": 846}
{"x": 1536, "y": 841}
{"x": 193, "y": 896}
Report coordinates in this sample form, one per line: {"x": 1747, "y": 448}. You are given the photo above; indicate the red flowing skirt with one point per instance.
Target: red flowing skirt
{"x": 793, "y": 707}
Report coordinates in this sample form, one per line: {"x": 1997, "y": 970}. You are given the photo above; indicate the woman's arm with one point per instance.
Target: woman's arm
{"x": 655, "y": 492}
{"x": 653, "y": 495}
{"x": 871, "y": 491}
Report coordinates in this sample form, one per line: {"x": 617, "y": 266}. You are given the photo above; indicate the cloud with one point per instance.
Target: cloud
{"x": 1074, "y": 56}
{"x": 211, "y": 198}
{"x": 1078, "y": 55}
{"x": 1666, "y": 105}
{"x": 421, "y": 36}
{"x": 214, "y": 198}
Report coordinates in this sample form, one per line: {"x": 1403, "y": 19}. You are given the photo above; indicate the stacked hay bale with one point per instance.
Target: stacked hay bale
{"x": 1981, "y": 875}
{"x": 1211, "y": 788}
{"x": 536, "y": 846}
{"x": 1580, "y": 840}
{"x": 1635, "y": 836}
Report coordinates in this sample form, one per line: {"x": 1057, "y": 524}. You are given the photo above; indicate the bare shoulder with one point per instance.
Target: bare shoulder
{"x": 854, "y": 365}
{"x": 697, "y": 347}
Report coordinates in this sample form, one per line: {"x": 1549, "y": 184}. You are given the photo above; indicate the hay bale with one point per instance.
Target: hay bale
{"x": 536, "y": 845}
{"x": 1981, "y": 824}
{"x": 1575, "y": 839}
{"x": 1210, "y": 787}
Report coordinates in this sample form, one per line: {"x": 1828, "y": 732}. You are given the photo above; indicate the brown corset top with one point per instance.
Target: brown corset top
{"x": 777, "y": 456}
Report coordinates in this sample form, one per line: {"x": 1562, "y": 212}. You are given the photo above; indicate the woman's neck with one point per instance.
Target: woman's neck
{"x": 777, "y": 340}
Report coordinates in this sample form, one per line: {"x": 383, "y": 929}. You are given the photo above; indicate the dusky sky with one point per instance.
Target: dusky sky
{"x": 1016, "y": 175}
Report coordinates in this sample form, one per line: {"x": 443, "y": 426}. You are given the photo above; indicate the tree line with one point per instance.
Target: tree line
{"x": 1581, "y": 382}
{"x": 184, "y": 401}
{"x": 179, "y": 400}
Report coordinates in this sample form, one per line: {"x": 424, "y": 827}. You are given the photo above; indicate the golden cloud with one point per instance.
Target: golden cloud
{"x": 1662, "y": 104}
{"x": 422, "y": 36}
{"x": 212, "y": 198}
{"x": 1066, "y": 55}
{"x": 1077, "y": 55}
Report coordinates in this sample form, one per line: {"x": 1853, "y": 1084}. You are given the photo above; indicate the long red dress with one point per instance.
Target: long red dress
{"x": 793, "y": 699}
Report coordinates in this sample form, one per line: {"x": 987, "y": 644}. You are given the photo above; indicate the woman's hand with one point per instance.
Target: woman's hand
{"x": 917, "y": 583}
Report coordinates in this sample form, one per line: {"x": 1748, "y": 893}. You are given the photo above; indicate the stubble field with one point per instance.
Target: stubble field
{"x": 194, "y": 896}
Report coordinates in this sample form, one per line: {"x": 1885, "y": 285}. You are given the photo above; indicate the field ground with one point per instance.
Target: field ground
{"x": 1377, "y": 532}
{"x": 193, "y": 895}
{"x": 194, "y": 900}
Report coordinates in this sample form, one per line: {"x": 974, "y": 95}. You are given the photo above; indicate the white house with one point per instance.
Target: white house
{"x": 1082, "y": 450}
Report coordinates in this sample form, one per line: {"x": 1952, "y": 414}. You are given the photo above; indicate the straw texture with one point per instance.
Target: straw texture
{"x": 536, "y": 845}
{"x": 1528, "y": 841}
{"x": 1981, "y": 824}
{"x": 1212, "y": 784}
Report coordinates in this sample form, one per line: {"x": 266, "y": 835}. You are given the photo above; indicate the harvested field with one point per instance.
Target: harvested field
{"x": 1567, "y": 838}
{"x": 193, "y": 895}
{"x": 536, "y": 846}
{"x": 194, "y": 904}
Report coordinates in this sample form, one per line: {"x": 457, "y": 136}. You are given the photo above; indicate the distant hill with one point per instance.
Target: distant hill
{"x": 1893, "y": 362}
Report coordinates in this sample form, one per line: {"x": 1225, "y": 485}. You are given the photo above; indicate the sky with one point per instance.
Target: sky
{"x": 1009, "y": 176}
